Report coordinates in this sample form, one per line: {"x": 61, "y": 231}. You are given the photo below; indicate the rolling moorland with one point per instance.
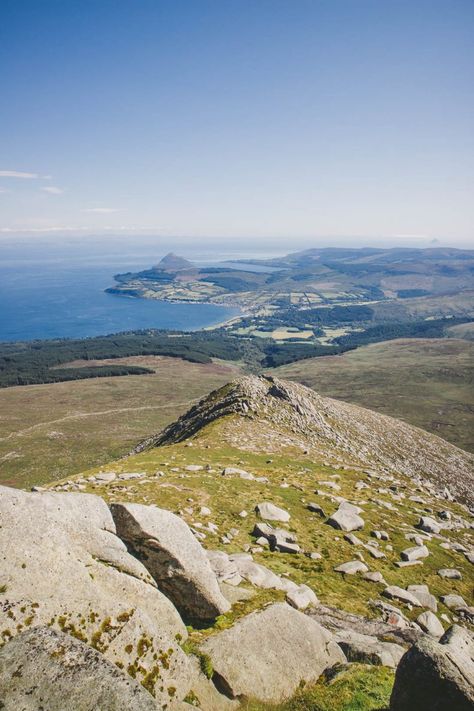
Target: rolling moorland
{"x": 348, "y": 530}
{"x": 52, "y": 431}
{"x": 426, "y": 382}
{"x": 56, "y": 430}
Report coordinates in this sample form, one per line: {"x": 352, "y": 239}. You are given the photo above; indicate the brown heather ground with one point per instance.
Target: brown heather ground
{"x": 49, "y": 432}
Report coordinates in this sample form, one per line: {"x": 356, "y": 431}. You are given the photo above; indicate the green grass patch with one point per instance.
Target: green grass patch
{"x": 359, "y": 688}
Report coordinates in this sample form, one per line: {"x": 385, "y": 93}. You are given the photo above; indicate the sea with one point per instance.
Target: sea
{"x": 56, "y": 288}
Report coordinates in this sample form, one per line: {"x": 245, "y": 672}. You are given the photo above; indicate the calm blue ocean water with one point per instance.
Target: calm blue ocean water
{"x": 51, "y": 291}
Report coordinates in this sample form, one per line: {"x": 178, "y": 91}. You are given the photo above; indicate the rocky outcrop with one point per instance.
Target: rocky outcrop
{"x": 430, "y": 624}
{"x": 45, "y": 669}
{"x": 270, "y": 512}
{"x": 268, "y": 654}
{"x": 366, "y": 649}
{"x": 346, "y": 518}
{"x": 302, "y": 597}
{"x": 257, "y": 574}
{"x": 63, "y": 566}
{"x": 225, "y": 570}
{"x": 276, "y": 413}
{"x": 174, "y": 558}
{"x": 351, "y": 567}
{"x": 435, "y": 676}
{"x": 340, "y": 623}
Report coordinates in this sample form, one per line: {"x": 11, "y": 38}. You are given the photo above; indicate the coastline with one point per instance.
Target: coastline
{"x": 219, "y": 324}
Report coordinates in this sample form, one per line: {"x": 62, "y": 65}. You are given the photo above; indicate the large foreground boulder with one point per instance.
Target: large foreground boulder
{"x": 45, "y": 669}
{"x": 174, "y": 558}
{"x": 435, "y": 676}
{"x": 62, "y": 565}
{"x": 268, "y": 654}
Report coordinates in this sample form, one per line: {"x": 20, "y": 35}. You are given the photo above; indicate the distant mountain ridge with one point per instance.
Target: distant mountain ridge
{"x": 310, "y": 279}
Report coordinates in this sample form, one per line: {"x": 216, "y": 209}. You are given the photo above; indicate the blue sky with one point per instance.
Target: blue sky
{"x": 240, "y": 118}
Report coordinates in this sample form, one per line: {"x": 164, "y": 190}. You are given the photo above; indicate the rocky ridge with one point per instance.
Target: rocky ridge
{"x": 274, "y": 414}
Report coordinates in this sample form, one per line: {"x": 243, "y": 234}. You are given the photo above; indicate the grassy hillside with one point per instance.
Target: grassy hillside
{"x": 52, "y": 431}
{"x": 426, "y": 382}
{"x": 166, "y": 482}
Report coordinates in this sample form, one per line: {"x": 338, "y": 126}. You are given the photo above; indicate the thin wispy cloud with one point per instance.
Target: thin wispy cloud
{"x": 41, "y": 230}
{"x": 101, "y": 210}
{"x": 52, "y": 190}
{"x": 18, "y": 174}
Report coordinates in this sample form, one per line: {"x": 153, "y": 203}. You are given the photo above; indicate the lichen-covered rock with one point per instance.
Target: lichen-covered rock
{"x": 173, "y": 557}
{"x": 63, "y": 565}
{"x": 436, "y": 676}
{"x": 45, "y": 669}
{"x": 268, "y": 654}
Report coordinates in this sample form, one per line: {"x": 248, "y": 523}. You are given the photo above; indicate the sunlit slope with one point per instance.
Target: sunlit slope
{"x": 266, "y": 414}
{"x": 271, "y": 431}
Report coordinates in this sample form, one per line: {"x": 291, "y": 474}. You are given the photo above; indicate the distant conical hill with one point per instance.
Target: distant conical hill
{"x": 171, "y": 262}
{"x": 264, "y": 414}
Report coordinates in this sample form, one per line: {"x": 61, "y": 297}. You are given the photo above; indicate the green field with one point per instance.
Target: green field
{"x": 426, "y": 382}
{"x": 52, "y": 431}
